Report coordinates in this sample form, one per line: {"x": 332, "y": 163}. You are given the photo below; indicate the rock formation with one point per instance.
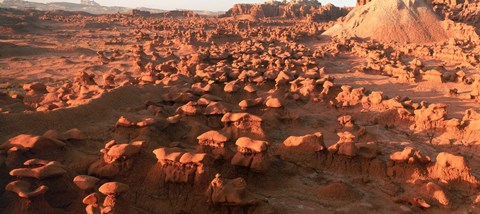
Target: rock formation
{"x": 194, "y": 107}
{"x": 294, "y": 10}
{"x": 418, "y": 24}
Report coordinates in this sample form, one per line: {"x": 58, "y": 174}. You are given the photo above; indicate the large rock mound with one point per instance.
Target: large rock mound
{"x": 411, "y": 21}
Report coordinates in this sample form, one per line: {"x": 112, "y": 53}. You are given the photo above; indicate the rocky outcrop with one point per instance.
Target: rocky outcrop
{"x": 315, "y": 12}
{"x": 229, "y": 192}
{"x": 176, "y": 166}
{"x": 243, "y": 125}
{"x": 42, "y": 186}
{"x": 453, "y": 3}
{"x": 251, "y": 154}
{"x": 430, "y": 117}
{"x": 116, "y": 159}
{"x": 453, "y": 169}
{"x": 302, "y": 148}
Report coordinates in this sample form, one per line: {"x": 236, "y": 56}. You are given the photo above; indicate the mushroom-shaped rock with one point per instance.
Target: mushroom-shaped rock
{"x": 85, "y": 182}
{"x": 213, "y": 142}
{"x": 116, "y": 158}
{"x": 247, "y": 145}
{"x": 326, "y": 87}
{"x": 163, "y": 154}
{"x": 92, "y": 204}
{"x": 113, "y": 188}
{"x": 273, "y": 103}
{"x": 47, "y": 170}
{"x": 90, "y": 199}
{"x": 24, "y": 190}
{"x": 212, "y": 138}
{"x": 251, "y": 154}
{"x": 243, "y": 124}
{"x": 185, "y": 167}
{"x": 125, "y": 150}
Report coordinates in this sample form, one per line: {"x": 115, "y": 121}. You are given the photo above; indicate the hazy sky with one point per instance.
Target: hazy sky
{"x": 211, "y": 5}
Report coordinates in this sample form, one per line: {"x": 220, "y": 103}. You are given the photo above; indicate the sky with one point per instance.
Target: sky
{"x": 210, "y": 5}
